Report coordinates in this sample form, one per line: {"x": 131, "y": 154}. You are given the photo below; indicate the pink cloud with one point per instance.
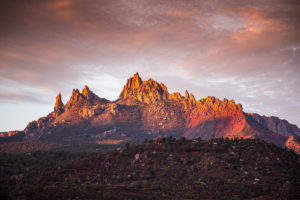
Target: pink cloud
{"x": 237, "y": 49}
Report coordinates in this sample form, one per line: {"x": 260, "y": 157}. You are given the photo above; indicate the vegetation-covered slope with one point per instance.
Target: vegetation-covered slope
{"x": 161, "y": 169}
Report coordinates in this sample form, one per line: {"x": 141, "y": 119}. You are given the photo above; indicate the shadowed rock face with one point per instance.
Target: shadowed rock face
{"x": 277, "y": 125}
{"x": 145, "y": 109}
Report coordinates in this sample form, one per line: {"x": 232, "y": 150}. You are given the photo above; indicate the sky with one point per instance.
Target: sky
{"x": 244, "y": 50}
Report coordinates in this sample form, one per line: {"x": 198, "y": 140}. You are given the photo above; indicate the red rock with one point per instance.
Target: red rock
{"x": 59, "y": 106}
{"x": 193, "y": 100}
{"x": 143, "y": 91}
{"x": 187, "y": 95}
{"x": 86, "y": 92}
{"x": 132, "y": 86}
{"x": 293, "y": 143}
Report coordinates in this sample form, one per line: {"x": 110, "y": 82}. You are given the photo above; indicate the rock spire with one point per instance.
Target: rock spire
{"x": 59, "y": 106}
{"x": 132, "y": 86}
{"x": 187, "y": 95}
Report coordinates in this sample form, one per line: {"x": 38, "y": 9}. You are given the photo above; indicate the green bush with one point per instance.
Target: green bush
{"x": 107, "y": 196}
{"x": 155, "y": 187}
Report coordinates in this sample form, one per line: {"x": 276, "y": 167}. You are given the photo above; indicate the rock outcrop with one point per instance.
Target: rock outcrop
{"x": 9, "y": 133}
{"x": 59, "y": 106}
{"x": 293, "y": 142}
{"x": 192, "y": 99}
{"x": 132, "y": 87}
{"x": 85, "y": 98}
{"x": 144, "y": 91}
{"x": 89, "y": 95}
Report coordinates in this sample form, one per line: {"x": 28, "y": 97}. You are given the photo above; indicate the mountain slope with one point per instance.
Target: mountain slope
{"x": 144, "y": 110}
{"x": 280, "y": 126}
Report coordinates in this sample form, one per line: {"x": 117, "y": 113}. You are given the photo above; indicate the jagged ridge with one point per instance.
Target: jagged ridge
{"x": 145, "y": 109}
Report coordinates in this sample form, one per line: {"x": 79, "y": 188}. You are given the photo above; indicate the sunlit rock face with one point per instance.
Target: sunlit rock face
{"x": 215, "y": 118}
{"x": 144, "y": 91}
{"x": 145, "y": 109}
{"x": 59, "y": 106}
{"x": 9, "y": 133}
{"x": 293, "y": 143}
{"x": 132, "y": 86}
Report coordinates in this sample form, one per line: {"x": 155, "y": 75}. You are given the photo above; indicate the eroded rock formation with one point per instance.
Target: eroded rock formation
{"x": 145, "y": 109}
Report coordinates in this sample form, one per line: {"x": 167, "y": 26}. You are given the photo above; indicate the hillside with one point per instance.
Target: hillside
{"x": 165, "y": 168}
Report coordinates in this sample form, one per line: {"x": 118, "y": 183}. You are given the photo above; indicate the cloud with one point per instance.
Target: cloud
{"x": 242, "y": 49}
{"x": 16, "y": 98}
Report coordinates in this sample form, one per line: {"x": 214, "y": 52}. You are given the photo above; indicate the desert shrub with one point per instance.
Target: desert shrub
{"x": 192, "y": 180}
{"x": 188, "y": 196}
{"x": 139, "y": 185}
{"x": 221, "y": 182}
{"x": 155, "y": 186}
{"x": 39, "y": 188}
{"x": 168, "y": 147}
{"x": 187, "y": 149}
{"x": 107, "y": 196}
{"x": 182, "y": 140}
{"x": 149, "y": 161}
{"x": 154, "y": 197}
{"x": 208, "y": 167}
{"x": 170, "y": 140}
{"x": 232, "y": 159}
{"x": 235, "y": 197}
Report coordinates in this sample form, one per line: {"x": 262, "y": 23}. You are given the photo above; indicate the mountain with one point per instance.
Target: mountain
{"x": 163, "y": 168}
{"x": 280, "y": 126}
{"x": 145, "y": 110}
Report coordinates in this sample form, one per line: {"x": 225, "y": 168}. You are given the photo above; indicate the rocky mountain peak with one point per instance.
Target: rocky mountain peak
{"x": 59, "y": 106}
{"x": 187, "y": 95}
{"x": 132, "y": 86}
{"x": 152, "y": 91}
{"x": 192, "y": 98}
{"x": 175, "y": 96}
{"x": 137, "y": 79}
{"x": 88, "y": 94}
{"x": 216, "y": 104}
{"x": 58, "y": 102}
{"x": 144, "y": 91}
{"x": 76, "y": 95}
{"x": 134, "y": 82}
{"x": 86, "y": 91}
{"x": 75, "y": 99}
{"x": 86, "y": 98}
